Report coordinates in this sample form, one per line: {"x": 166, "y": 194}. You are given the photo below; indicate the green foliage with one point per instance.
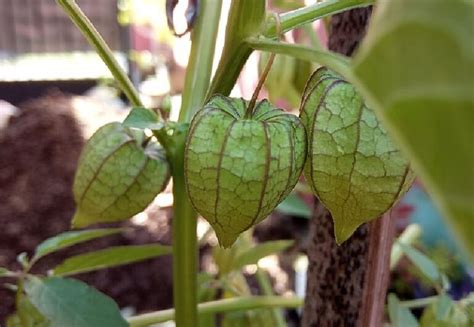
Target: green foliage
{"x": 352, "y": 166}
{"x": 416, "y": 67}
{"x": 142, "y": 118}
{"x": 69, "y": 302}
{"x": 118, "y": 176}
{"x": 399, "y": 315}
{"x": 246, "y": 19}
{"x": 245, "y": 252}
{"x": 239, "y": 169}
{"x": 439, "y": 310}
{"x": 446, "y": 313}
{"x": 27, "y": 315}
{"x": 422, "y": 262}
{"x": 110, "y": 257}
{"x": 443, "y": 306}
{"x": 254, "y": 254}
{"x": 251, "y": 318}
{"x": 294, "y": 206}
{"x": 66, "y": 239}
{"x": 4, "y": 272}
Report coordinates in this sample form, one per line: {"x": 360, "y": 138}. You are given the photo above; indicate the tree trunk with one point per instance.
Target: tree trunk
{"x": 347, "y": 284}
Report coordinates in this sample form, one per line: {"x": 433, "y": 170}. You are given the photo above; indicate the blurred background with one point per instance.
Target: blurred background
{"x": 55, "y": 92}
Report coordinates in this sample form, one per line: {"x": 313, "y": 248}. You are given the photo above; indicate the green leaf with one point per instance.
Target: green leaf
{"x": 352, "y": 166}
{"x": 71, "y": 303}
{"x": 294, "y": 206}
{"x": 4, "y": 272}
{"x": 416, "y": 67}
{"x": 142, "y": 118}
{"x": 443, "y": 306}
{"x": 66, "y": 239}
{"x": 14, "y": 321}
{"x": 422, "y": 262}
{"x": 23, "y": 259}
{"x": 400, "y": 316}
{"x": 110, "y": 257}
{"x": 118, "y": 176}
{"x": 254, "y": 254}
{"x": 445, "y": 313}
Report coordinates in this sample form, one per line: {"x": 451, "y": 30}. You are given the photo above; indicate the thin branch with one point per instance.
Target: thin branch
{"x": 308, "y": 14}
{"x": 88, "y": 30}
{"x": 332, "y": 60}
{"x": 226, "y": 305}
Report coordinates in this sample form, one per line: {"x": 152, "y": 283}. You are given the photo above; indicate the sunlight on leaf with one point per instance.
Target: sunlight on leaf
{"x": 110, "y": 257}
{"x": 66, "y": 239}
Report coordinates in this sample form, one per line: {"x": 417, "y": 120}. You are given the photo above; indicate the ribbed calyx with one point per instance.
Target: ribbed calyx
{"x": 352, "y": 166}
{"x": 118, "y": 175}
{"x": 238, "y": 170}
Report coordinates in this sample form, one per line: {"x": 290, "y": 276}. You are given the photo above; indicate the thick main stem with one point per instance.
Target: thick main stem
{"x": 185, "y": 247}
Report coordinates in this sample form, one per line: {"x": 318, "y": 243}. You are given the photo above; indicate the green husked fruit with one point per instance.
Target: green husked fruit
{"x": 117, "y": 177}
{"x": 239, "y": 169}
{"x": 353, "y": 167}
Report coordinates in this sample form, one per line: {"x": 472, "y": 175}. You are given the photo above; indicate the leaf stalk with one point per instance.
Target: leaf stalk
{"x": 219, "y": 306}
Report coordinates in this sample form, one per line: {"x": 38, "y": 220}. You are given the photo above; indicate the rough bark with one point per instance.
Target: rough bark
{"x": 347, "y": 283}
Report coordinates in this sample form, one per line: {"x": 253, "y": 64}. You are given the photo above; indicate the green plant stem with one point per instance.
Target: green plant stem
{"x": 334, "y": 61}
{"x": 185, "y": 247}
{"x": 226, "y": 305}
{"x": 88, "y": 30}
{"x": 245, "y": 15}
{"x": 419, "y": 303}
{"x": 267, "y": 289}
{"x": 246, "y": 18}
{"x": 308, "y": 14}
{"x": 199, "y": 69}
{"x": 263, "y": 77}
